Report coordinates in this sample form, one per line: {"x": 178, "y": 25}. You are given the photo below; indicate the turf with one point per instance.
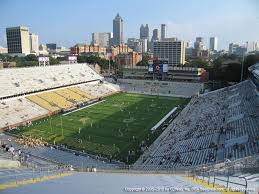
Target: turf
{"x": 110, "y": 128}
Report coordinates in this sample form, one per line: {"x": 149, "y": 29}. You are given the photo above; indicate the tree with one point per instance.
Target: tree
{"x": 249, "y": 61}
{"x": 199, "y": 63}
{"x": 225, "y": 68}
{"x": 93, "y": 59}
{"x": 31, "y": 58}
{"x": 53, "y": 61}
{"x": 144, "y": 61}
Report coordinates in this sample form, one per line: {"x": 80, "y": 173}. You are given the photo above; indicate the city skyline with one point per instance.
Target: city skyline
{"x": 238, "y": 25}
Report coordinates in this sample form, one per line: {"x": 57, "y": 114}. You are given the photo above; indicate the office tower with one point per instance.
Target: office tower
{"x": 252, "y": 46}
{"x": 144, "y": 32}
{"x": 117, "y": 30}
{"x": 101, "y": 38}
{"x": 43, "y": 50}
{"x": 188, "y": 44}
{"x": 198, "y": 44}
{"x": 34, "y": 43}
{"x": 213, "y": 43}
{"x": 171, "y": 51}
{"x": 51, "y": 46}
{"x": 163, "y": 31}
{"x": 237, "y": 49}
{"x": 18, "y": 41}
{"x": 138, "y": 45}
{"x": 3, "y": 50}
{"x": 155, "y": 35}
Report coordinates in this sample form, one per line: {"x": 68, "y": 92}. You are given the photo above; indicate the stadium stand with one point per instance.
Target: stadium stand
{"x": 25, "y": 97}
{"x": 99, "y": 89}
{"x": 42, "y": 156}
{"x": 19, "y": 81}
{"x": 71, "y": 96}
{"x": 226, "y": 128}
{"x": 60, "y": 99}
{"x": 80, "y": 92}
{"x": 177, "y": 89}
{"x": 19, "y": 111}
{"x": 43, "y": 103}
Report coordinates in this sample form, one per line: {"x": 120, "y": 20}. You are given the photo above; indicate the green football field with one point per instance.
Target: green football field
{"x": 110, "y": 128}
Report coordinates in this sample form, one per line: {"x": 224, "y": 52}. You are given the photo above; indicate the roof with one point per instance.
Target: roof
{"x": 256, "y": 72}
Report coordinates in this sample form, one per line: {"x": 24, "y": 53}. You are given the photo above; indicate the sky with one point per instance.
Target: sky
{"x": 67, "y": 22}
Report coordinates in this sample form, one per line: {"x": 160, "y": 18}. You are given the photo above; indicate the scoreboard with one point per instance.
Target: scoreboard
{"x": 158, "y": 66}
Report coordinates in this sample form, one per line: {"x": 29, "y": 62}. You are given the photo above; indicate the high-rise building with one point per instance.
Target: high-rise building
{"x": 188, "y": 44}
{"x": 213, "y": 43}
{"x": 198, "y": 44}
{"x": 163, "y": 31}
{"x": 3, "y": 50}
{"x": 171, "y": 51}
{"x": 252, "y": 46}
{"x": 51, "y": 46}
{"x": 144, "y": 32}
{"x": 117, "y": 30}
{"x": 237, "y": 49}
{"x": 18, "y": 41}
{"x": 138, "y": 45}
{"x": 155, "y": 35}
{"x": 102, "y": 38}
{"x": 43, "y": 49}
{"x": 188, "y": 49}
{"x": 34, "y": 43}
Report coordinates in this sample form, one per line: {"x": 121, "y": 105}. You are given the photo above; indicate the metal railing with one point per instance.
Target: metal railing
{"x": 24, "y": 174}
{"x": 232, "y": 182}
{"x": 214, "y": 177}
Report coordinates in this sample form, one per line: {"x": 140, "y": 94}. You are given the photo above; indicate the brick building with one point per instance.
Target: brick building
{"x": 84, "y": 49}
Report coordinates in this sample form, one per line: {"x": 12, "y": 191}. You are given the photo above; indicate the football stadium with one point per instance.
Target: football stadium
{"x": 67, "y": 123}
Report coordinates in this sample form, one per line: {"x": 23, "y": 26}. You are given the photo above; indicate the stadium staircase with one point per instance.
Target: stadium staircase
{"x": 220, "y": 152}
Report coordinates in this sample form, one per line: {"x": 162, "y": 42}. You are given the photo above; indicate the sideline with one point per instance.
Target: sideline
{"x": 163, "y": 119}
{"x": 84, "y": 107}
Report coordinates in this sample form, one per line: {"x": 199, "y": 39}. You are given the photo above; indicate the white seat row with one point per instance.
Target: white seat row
{"x": 16, "y": 81}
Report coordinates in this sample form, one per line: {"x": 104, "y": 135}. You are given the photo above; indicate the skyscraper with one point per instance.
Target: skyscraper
{"x": 171, "y": 51}
{"x": 144, "y": 32}
{"x": 18, "y": 41}
{"x": 34, "y": 43}
{"x": 252, "y": 46}
{"x": 138, "y": 45}
{"x": 237, "y": 49}
{"x": 155, "y": 35}
{"x": 102, "y": 38}
{"x": 147, "y": 32}
{"x": 213, "y": 43}
{"x": 198, "y": 44}
{"x": 117, "y": 30}
{"x": 163, "y": 31}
